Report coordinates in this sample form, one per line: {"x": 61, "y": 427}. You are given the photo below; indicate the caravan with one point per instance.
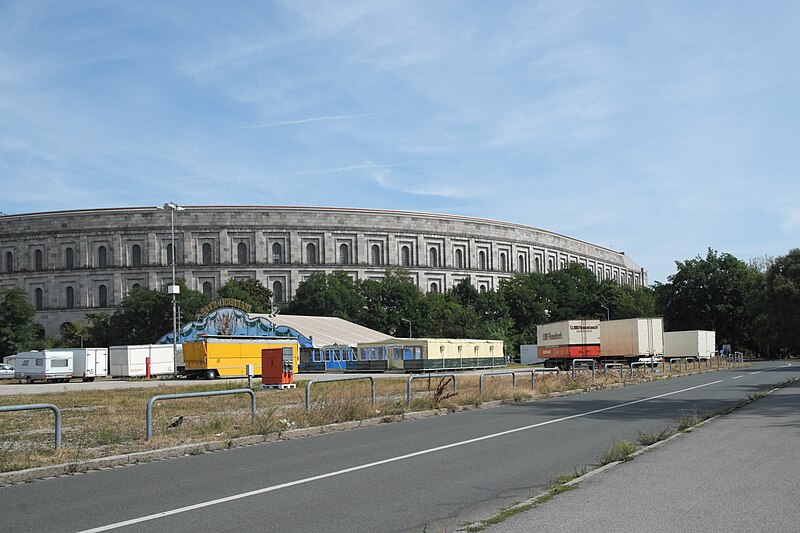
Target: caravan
{"x": 89, "y": 363}
{"x": 47, "y": 365}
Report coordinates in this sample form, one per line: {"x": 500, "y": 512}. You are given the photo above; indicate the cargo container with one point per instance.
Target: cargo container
{"x": 569, "y": 333}
{"x": 131, "y": 361}
{"x": 213, "y": 356}
{"x": 89, "y": 363}
{"x": 632, "y": 337}
{"x": 529, "y": 354}
{"x": 46, "y": 365}
{"x": 694, "y": 343}
{"x": 416, "y": 355}
{"x": 581, "y": 351}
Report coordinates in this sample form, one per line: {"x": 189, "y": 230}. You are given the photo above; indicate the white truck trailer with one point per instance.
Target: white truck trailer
{"x": 45, "y": 365}
{"x": 131, "y": 361}
{"x": 695, "y": 343}
{"x": 632, "y": 337}
{"x": 89, "y": 363}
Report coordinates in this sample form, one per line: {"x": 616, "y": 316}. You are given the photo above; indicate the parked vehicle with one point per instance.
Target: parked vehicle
{"x": 6, "y": 371}
{"x": 560, "y": 342}
{"x": 632, "y": 338}
{"x": 45, "y": 365}
{"x": 695, "y": 343}
{"x": 131, "y": 361}
{"x": 213, "y": 356}
{"x": 89, "y": 363}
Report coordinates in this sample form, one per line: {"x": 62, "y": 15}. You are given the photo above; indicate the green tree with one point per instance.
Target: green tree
{"x": 250, "y": 291}
{"x": 73, "y": 335}
{"x": 715, "y": 293}
{"x": 781, "y": 301}
{"x": 18, "y": 331}
{"x": 334, "y": 294}
{"x": 390, "y": 302}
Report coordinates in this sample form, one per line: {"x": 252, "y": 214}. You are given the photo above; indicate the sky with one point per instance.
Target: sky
{"x": 660, "y": 129}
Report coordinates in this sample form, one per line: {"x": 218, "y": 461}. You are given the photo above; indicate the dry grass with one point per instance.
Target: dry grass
{"x": 102, "y": 423}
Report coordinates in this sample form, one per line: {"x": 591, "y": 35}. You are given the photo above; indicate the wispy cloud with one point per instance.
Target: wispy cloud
{"x": 312, "y": 119}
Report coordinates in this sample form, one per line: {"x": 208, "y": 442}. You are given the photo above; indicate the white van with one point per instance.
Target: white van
{"x": 47, "y": 365}
{"x": 89, "y": 363}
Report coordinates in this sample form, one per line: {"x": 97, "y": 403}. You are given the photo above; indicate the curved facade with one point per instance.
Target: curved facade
{"x": 74, "y": 262}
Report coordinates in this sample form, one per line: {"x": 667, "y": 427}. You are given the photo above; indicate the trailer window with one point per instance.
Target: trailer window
{"x": 40, "y": 362}
{"x": 317, "y": 357}
{"x": 25, "y": 362}
{"x": 327, "y": 356}
{"x": 59, "y": 363}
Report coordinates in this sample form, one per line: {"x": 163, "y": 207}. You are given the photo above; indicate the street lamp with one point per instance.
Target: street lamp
{"x": 409, "y": 326}
{"x": 608, "y": 313}
{"x": 173, "y": 289}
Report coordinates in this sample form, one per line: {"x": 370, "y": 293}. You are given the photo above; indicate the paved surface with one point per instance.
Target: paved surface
{"x": 740, "y": 472}
{"x": 430, "y": 474}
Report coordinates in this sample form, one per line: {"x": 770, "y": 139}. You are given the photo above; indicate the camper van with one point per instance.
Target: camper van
{"x": 47, "y": 365}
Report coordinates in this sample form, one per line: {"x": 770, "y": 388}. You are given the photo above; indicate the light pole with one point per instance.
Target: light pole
{"x": 608, "y": 313}
{"x": 409, "y": 326}
{"x": 173, "y": 289}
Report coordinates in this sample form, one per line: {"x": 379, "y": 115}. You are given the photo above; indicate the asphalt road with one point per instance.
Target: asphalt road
{"x": 429, "y": 474}
{"x": 738, "y": 473}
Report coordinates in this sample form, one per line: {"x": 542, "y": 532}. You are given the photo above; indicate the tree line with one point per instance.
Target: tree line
{"x": 752, "y": 306}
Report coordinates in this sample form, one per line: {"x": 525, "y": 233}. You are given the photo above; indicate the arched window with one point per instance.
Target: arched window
{"x": 70, "y": 297}
{"x": 102, "y": 296}
{"x": 483, "y": 288}
{"x": 206, "y": 253}
{"x": 459, "y": 258}
{"x": 69, "y": 259}
{"x": 38, "y": 260}
{"x": 208, "y": 289}
{"x": 241, "y": 253}
{"x": 549, "y": 265}
{"x": 433, "y": 257}
{"x": 9, "y": 262}
{"x": 537, "y": 264}
{"x": 503, "y": 263}
{"x": 405, "y": 256}
{"x": 522, "y": 264}
{"x": 136, "y": 252}
{"x": 375, "y": 255}
{"x": 344, "y": 254}
{"x": 277, "y": 253}
{"x": 169, "y": 253}
{"x": 277, "y": 292}
{"x": 136, "y": 286}
{"x": 102, "y": 257}
{"x": 311, "y": 253}
{"x": 434, "y": 287}
{"x": 39, "y": 299}
{"x": 482, "y": 260}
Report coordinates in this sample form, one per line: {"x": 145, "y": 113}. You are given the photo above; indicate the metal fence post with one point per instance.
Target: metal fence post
{"x": 33, "y": 406}
{"x": 582, "y": 361}
{"x": 535, "y": 370}
{"x": 308, "y": 388}
{"x": 411, "y": 378}
{"x": 154, "y": 399}
{"x": 513, "y": 379}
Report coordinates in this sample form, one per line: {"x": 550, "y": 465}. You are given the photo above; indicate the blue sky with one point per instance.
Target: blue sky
{"x": 655, "y": 128}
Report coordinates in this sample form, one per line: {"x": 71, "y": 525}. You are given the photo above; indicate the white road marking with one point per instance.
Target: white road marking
{"x": 737, "y": 377}
{"x": 303, "y": 481}
{"x": 766, "y": 369}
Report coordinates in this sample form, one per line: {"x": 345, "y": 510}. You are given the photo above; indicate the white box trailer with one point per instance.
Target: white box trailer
{"x": 694, "y": 343}
{"x": 89, "y": 363}
{"x": 45, "y": 365}
{"x": 568, "y": 333}
{"x": 529, "y": 354}
{"x": 632, "y": 337}
{"x": 131, "y": 361}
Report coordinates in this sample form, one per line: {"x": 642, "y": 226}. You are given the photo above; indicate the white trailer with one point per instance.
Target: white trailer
{"x": 694, "y": 343}
{"x": 45, "y": 365}
{"x": 632, "y": 337}
{"x": 89, "y": 363}
{"x": 131, "y": 361}
{"x": 529, "y": 354}
{"x": 568, "y": 333}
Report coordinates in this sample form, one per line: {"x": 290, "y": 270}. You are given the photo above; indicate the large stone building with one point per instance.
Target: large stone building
{"x": 73, "y": 262}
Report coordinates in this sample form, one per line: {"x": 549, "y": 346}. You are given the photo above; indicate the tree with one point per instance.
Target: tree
{"x": 334, "y": 294}
{"x": 18, "y": 331}
{"x": 250, "y": 291}
{"x": 714, "y": 293}
{"x": 388, "y": 303}
{"x": 781, "y": 301}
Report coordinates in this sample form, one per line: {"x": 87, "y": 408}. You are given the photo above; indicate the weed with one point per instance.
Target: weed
{"x": 648, "y": 439}
{"x": 617, "y": 451}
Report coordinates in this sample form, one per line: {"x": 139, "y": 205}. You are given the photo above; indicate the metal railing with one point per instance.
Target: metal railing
{"x": 411, "y": 378}
{"x": 308, "y": 388}
{"x": 614, "y": 365}
{"x": 672, "y": 361}
{"x": 574, "y": 361}
{"x": 34, "y": 406}
{"x": 542, "y": 370}
{"x": 154, "y": 399}
{"x": 503, "y": 373}
{"x": 637, "y": 364}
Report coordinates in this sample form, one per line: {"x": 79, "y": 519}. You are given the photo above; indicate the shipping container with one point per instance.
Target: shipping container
{"x": 695, "y": 343}
{"x": 529, "y": 354}
{"x": 214, "y": 356}
{"x": 582, "y": 351}
{"x": 568, "y": 333}
{"x": 89, "y": 363}
{"x": 131, "y": 361}
{"x": 632, "y": 337}
{"x": 45, "y": 365}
